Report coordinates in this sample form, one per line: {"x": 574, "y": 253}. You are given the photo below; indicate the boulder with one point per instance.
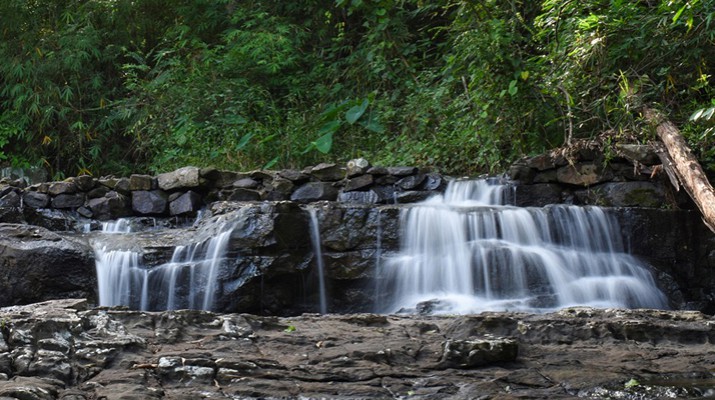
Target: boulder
{"x": 84, "y": 183}
{"x": 10, "y": 199}
{"x": 141, "y": 182}
{"x": 186, "y": 204}
{"x": 537, "y": 195}
{"x": 314, "y": 191}
{"x": 624, "y": 194}
{"x": 112, "y": 206}
{"x": 182, "y": 178}
{"x": 64, "y": 187}
{"x": 411, "y": 182}
{"x": 68, "y": 200}
{"x": 244, "y": 195}
{"x": 328, "y": 172}
{"x": 583, "y": 174}
{"x": 35, "y": 199}
{"x": 154, "y": 202}
{"x": 37, "y": 265}
{"x": 358, "y": 182}
{"x": 401, "y": 171}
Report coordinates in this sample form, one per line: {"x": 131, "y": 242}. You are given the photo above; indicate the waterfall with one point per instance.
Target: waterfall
{"x": 466, "y": 251}
{"x": 188, "y": 280}
{"x": 320, "y": 264}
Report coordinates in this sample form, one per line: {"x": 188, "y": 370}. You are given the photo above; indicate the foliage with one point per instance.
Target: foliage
{"x": 112, "y": 86}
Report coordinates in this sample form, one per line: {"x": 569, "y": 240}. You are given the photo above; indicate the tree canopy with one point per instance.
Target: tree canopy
{"x": 118, "y": 86}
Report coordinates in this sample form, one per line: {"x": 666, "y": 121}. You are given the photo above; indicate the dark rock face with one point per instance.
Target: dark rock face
{"x": 315, "y": 191}
{"x": 153, "y": 202}
{"x": 37, "y": 265}
{"x": 63, "y": 350}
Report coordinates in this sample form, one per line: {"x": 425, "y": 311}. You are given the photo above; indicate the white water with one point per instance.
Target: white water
{"x": 320, "y": 264}
{"x": 189, "y": 280}
{"x": 466, "y": 252}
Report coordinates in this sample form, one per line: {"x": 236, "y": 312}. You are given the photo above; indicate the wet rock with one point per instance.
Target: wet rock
{"x": 433, "y": 182}
{"x": 244, "y": 195}
{"x": 478, "y": 352}
{"x": 141, "y": 182}
{"x": 521, "y": 172}
{"x": 74, "y": 200}
{"x": 368, "y": 197}
{"x": 328, "y": 172}
{"x": 97, "y": 192}
{"x": 624, "y": 194}
{"x": 186, "y": 204}
{"x": 153, "y": 202}
{"x": 36, "y": 264}
{"x": 123, "y": 186}
{"x": 182, "y": 178}
{"x": 314, "y": 191}
{"x": 411, "y": 182}
{"x": 537, "y": 195}
{"x": 413, "y": 196}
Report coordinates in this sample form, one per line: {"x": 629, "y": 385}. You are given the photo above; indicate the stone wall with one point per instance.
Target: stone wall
{"x": 187, "y": 190}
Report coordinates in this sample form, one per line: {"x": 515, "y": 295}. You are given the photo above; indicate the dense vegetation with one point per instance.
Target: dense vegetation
{"x": 113, "y": 86}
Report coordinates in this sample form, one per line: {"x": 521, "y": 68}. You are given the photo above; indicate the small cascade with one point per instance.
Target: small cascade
{"x": 189, "y": 280}
{"x": 318, "y": 251}
{"x": 466, "y": 251}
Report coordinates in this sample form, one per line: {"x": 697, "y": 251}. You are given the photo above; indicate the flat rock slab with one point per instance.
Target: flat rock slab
{"x": 63, "y": 349}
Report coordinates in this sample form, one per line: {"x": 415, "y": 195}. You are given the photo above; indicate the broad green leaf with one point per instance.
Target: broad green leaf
{"x": 373, "y": 125}
{"x": 244, "y": 141}
{"x": 271, "y": 163}
{"x": 324, "y": 143}
{"x": 329, "y": 127}
{"x": 355, "y": 112}
{"x": 513, "y": 89}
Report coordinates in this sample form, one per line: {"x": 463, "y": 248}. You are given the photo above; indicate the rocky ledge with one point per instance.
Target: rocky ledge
{"x": 64, "y": 350}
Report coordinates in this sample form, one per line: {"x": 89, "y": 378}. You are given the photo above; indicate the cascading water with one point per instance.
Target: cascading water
{"x": 467, "y": 252}
{"x": 318, "y": 252}
{"x": 187, "y": 281}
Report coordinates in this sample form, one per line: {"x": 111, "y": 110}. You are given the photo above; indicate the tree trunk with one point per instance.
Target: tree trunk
{"x": 685, "y": 166}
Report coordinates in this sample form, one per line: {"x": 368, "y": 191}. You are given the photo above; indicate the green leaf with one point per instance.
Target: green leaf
{"x": 289, "y": 329}
{"x": 513, "y": 89}
{"x": 270, "y": 165}
{"x": 679, "y": 13}
{"x": 324, "y": 143}
{"x": 355, "y": 112}
{"x": 244, "y": 141}
{"x": 373, "y": 125}
{"x": 329, "y": 127}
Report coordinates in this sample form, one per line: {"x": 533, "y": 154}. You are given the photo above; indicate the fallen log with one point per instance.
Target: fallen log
{"x": 684, "y": 166}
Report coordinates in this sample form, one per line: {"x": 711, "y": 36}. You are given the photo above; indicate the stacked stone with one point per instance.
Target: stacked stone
{"x": 586, "y": 176}
{"x": 185, "y": 191}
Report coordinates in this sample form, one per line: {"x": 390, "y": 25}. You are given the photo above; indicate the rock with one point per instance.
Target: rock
{"x": 358, "y": 182}
{"x": 246, "y": 183}
{"x": 377, "y": 171}
{"x": 187, "y": 204}
{"x": 642, "y": 153}
{"x": 84, "y": 183}
{"x": 10, "y": 199}
{"x": 314, "y": 191}
{"x": 182, "y": 178}
{"x": 67, "y": 200}
{"x": 537, "y": 195}
{"x": 521, "y": 172}
{"x": 368, "y": 197}
{"x": 35, "y": 199}
{"x": 154, "y": 202}
{"x": 583, "y": 174}
{"x": 36, "y": 265}
{"x": 433, "y": 182}
{"x": 356, "y": 167}
{"x": 220, "y": 179}
{"x": 478, "y": 352}
{"x": 413, "y": 196}
{"x": 56, "y": 188}
{"x": 385, "y": 194}
{"x": 112, "y": 206}
{"x": 401, "y": 171}
{"x": 411, "y": 182}
{"x": 541, "y": 162}
{"x": 123, "y": 186}
{"x": 244, "y": 195}
{"x": 99, "y": 191}
{"x": 293, "y": 175}
{"x": 624, "y": 194}
{"x": 327, "y": 172}
{"x": 141, "y": 182}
